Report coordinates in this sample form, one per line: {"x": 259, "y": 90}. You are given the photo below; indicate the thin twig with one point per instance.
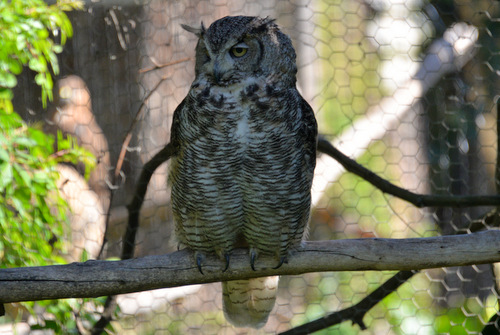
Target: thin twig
{"x": 160, "y": 66}
{"x": 419, "y": 200}
{"x": 106, "y": 316}
{"x": 128, "y": 137}
{"x": 357, "y": 312}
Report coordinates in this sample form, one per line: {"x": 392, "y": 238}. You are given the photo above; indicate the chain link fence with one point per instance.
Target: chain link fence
{"x": 407, "y": 88}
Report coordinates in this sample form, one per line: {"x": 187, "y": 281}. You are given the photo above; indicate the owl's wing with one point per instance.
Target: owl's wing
{"x": 308, "y": 131}
{"x": 175, "y": 129}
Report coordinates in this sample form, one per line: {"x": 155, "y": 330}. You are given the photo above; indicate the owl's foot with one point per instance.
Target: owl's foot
{"x": 283, "y": 259}
{"x": 199, "y": 259}
{"x": 226, "y": 257}
{"x": 253, "y": 257}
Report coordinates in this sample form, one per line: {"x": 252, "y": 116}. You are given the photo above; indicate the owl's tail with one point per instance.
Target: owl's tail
{"x": 247, "y": 303}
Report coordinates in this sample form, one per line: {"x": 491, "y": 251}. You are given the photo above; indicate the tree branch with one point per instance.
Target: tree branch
{"x": 357, "y": 312}
{"x": 135, "y": 205}
{"x": 98, "y": 278}
{"x": 419, "y": 200}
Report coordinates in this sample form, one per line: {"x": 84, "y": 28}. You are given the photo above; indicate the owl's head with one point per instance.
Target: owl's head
{"x": 237, "y": 47}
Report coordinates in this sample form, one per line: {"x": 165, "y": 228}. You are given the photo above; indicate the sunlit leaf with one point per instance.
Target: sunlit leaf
{"x": 7, "y": 80}
{"x": 5, "y": 175}
{"x": 38, "y": 64}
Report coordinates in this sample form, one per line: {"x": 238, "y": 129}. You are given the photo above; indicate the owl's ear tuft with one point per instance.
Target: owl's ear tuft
{"x": 262, "y": 25}
{"x": 197, "y": 31}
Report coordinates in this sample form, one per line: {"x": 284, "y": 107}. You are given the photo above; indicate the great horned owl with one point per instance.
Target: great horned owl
{"x": 245, "y": 144}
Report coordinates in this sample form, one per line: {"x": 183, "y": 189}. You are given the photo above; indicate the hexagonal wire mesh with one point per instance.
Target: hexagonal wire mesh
{"x": 407, "y": 88}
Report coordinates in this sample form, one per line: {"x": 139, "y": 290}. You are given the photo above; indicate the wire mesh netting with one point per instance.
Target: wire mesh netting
{"x": 406, "y": 88}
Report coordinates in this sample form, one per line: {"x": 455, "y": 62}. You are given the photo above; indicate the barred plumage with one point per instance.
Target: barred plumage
{"x": 246, "y": 151}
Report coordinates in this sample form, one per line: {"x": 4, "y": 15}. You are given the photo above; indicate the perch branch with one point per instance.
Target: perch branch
{"x": 419, "y": 200}
{"x": 98, "y": 278}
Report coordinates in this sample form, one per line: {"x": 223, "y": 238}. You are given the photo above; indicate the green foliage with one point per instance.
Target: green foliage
{"x": 27, "y": 28}
{"x": 64, "y": 313}
{"x": 32, "y": 211}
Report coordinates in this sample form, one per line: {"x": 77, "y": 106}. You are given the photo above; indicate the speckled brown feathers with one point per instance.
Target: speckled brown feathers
{"x": 245, "y": 159}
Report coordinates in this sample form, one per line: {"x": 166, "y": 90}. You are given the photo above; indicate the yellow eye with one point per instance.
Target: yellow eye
{"x": 239, "y": 50}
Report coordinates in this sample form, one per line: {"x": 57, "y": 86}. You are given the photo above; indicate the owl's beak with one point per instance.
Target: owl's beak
{"x": 218, "y": 72}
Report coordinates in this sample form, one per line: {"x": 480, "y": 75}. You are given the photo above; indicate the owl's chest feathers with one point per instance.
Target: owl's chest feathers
{"x": 238, "y": 117}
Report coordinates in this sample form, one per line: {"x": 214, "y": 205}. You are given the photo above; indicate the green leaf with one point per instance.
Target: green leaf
{"x": 15, "y": 66}
{"x": 8, "y": 80}
{"x": 21, "y": 176}
{"x": 41, "y": 138}
{"x": 9, "y": 119}
{"x": 21, "y": 42}
{"x": 20, "y": 204}
{"x": 6, "y": 175}
{"x": 24, "y": 141}
{"x": 38, "y": 64}
{"x": 4, "y": 155}
{"x": 5, "y": 93}
{"x": 41, "y": 79}
{"x": 42, "y": 33}
{"x": 8, "y": 16}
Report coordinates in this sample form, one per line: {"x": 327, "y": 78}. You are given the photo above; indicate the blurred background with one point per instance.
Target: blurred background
{"x": 407, "y": 88}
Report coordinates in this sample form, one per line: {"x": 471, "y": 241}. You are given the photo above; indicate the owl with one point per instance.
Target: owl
{"x": 245, "y": 143}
